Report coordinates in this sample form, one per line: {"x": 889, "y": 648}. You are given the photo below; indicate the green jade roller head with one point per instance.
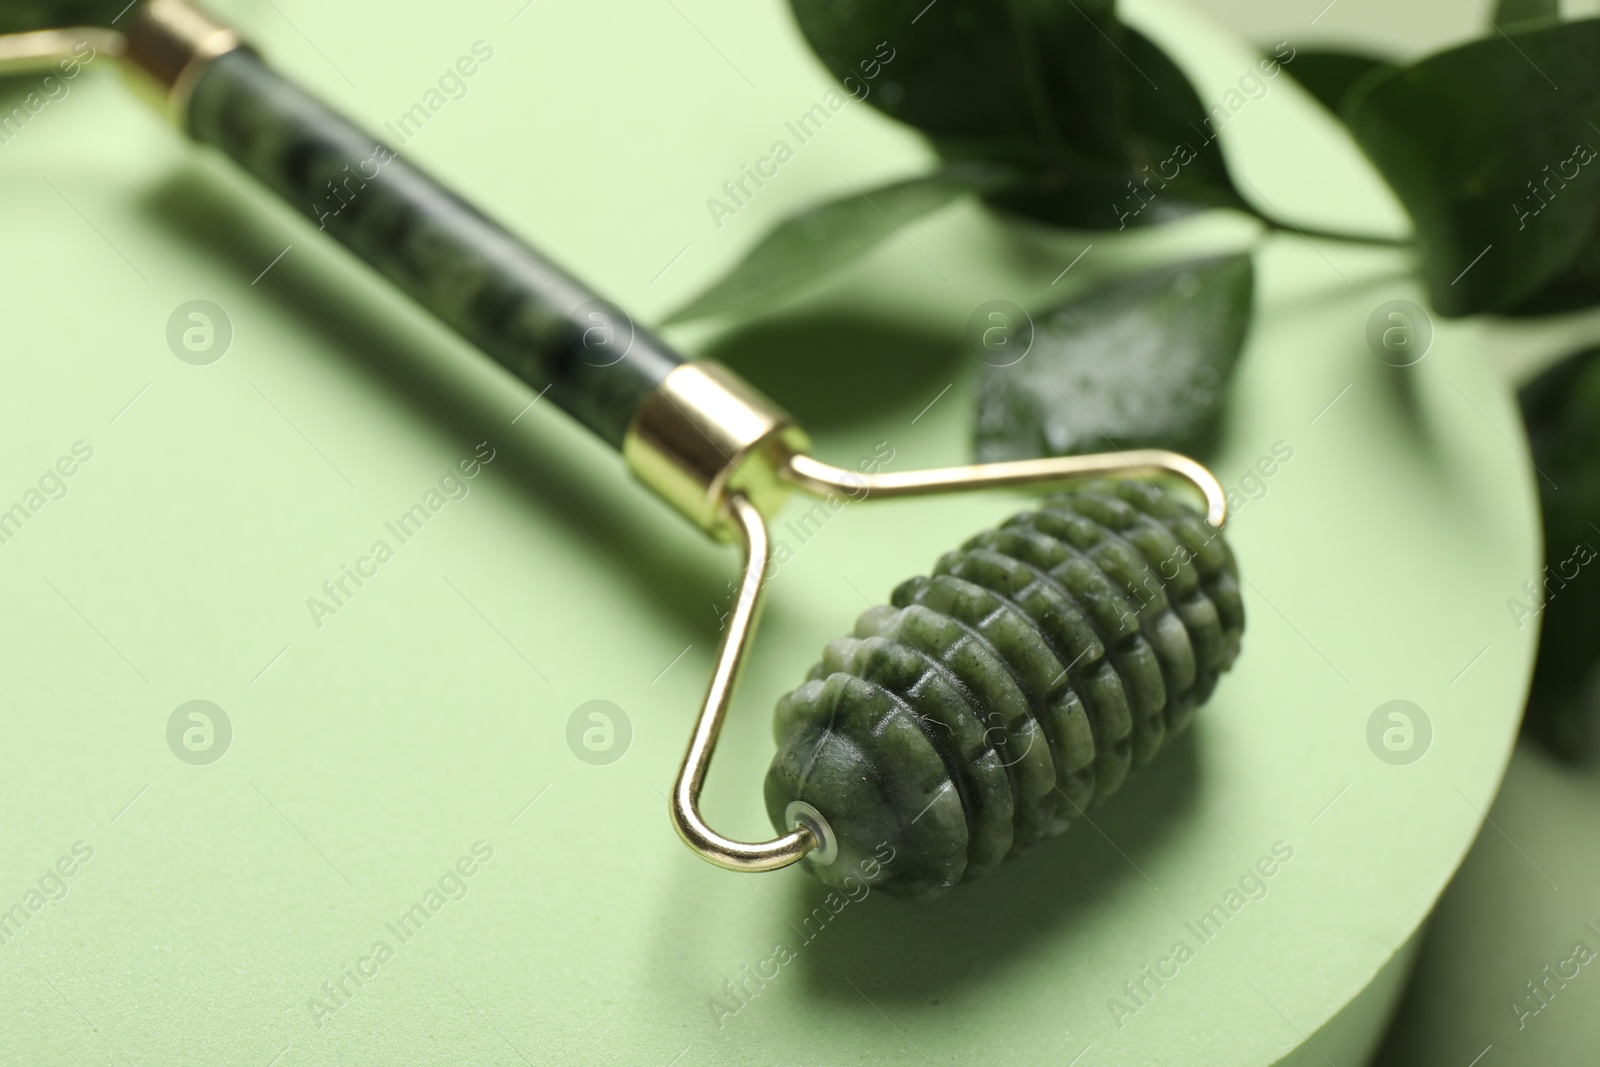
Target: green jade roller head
{"x": 984, "y": 708}
{"x": 990, "y": 705}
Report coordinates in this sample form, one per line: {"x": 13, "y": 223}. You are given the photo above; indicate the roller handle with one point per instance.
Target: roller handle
{"x": 496, "y": 291}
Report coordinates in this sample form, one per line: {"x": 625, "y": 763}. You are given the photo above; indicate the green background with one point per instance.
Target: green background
{"x": 1522, "y": 901}
{"x": 431, "y": 712}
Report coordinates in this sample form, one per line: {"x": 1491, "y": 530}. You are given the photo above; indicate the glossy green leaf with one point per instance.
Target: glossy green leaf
{"x": 1492, "y": 148}
{"x": 1093, "y": 112}
{"x": 827, "y": 236}
{"x": 1510, "y": 12}
{"x": 1330, "y": 74}
{"x": 1142, "y": 362}
{"x": 1562, "y": 411}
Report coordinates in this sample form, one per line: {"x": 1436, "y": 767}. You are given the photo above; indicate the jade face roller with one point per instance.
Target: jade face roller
{"x": 983, "y": 710}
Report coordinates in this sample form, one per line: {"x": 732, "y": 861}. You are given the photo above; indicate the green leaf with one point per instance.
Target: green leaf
{"x": 1497, "y": 166}
{"x": 1164, "y": 111}
{"x": 1060, "y": 91}
{"x": 1171, "y": 165}
{"x": 1143, "y": 362}
{"x": 827, "y": 236}
{"x": 1562, "y": 410}
{"x": 1024, "y": 77}
{"x": 1330, "y": 74}
{"x": 1509, "y": 12}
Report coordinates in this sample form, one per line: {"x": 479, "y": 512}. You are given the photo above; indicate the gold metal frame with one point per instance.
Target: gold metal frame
{"x": 726, "y": 458}
{"x": 166, "y": 47}
{"x": 169, "y": 45}
{"x": 39, "y": 50}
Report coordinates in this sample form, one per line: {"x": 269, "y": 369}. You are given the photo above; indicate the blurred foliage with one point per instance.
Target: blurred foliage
{"x": 1329, "y": 74}
{"x": 1078, "y": 104}
{"x": 1562, "y": 410}
{"x": 22, "y": 16}
{"x": 1490, "y": 145}
{"x": 1496, "y": 165}
{"x": 1509, "y": 12}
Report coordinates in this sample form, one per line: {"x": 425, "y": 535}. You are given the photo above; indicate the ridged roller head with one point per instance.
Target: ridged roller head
{"x": 989, "y": 705}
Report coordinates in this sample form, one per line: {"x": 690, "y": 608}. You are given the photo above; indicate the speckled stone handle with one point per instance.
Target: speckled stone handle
{"x": 494, "y": 290}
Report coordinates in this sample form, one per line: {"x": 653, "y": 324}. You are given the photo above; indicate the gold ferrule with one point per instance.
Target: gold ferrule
{"x": 169, "y": 45}
{"x": 705, "y": 435}
{"x": 47, "y": 50}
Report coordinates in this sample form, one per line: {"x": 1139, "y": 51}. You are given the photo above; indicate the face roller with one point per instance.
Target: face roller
{"x": 983, "y": 710}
